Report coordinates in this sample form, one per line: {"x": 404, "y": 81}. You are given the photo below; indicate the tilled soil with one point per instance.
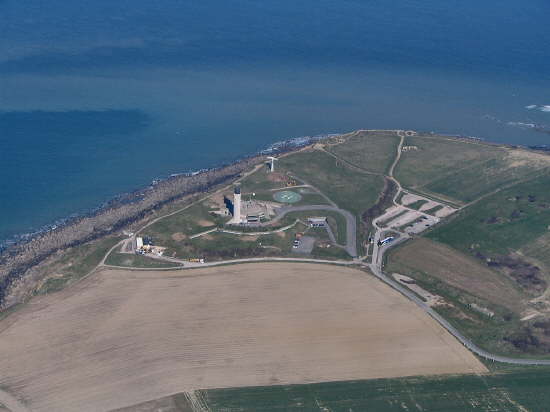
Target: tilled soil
{"x": 122, "y": 337}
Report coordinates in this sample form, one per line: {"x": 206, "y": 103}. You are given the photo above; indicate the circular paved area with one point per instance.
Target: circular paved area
{"x": 287, "y": 196}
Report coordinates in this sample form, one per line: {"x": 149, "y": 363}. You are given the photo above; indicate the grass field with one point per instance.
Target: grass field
{"x": 349, "y": 189}
{"x": 456, "y": 269}
{"x": 264, "y": 184}
{"x": 219, "y": 246}
{"x": 192, "y": 220}
{"x": 462, "y": 170}
{"x": 372, "y": 151}
{"x": 470, "y": 288}
{"x": 260, "y": 180}
{"x": 519, "y": 392}
{"x": 503, "y": 222}
{"x": 136, "y": 261}
{"x": 539, "y": 249}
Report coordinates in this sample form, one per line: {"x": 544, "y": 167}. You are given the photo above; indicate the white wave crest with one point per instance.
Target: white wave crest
{"x": 531, "y": 106}
{"x": 545, "y": 108}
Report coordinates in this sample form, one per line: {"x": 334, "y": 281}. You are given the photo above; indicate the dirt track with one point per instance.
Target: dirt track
{"x": 121, "y": 337}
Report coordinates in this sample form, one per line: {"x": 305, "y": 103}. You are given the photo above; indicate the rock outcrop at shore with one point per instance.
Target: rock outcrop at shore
{"x": 17, "y": 260}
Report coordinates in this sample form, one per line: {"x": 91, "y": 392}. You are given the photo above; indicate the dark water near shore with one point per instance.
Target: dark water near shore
{"x": 102, "y": 97}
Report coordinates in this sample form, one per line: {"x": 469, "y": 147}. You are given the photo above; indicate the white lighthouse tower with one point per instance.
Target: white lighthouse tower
{"x": 236, "y": 205}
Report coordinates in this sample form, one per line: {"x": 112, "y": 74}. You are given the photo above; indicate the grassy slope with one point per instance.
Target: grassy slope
{"x": 539, "y": 249}
{"x": 455, "y": 268}
{"x": 498, "y": 392}
{"x": 76, "y": 263}
{"x": 187, "y": 222}
{"x": 461, "y": 170}
{"x": 371, "y": 151}
{"x": 463, "y": 281}
{"x": 349, "y": 189}
{"x": 260, "y": 180}
{"x": 194, "y": 219}
{"x": 502, "y": 222}
{"x": 136, "y": 261}
{"x": 217, "y": 246}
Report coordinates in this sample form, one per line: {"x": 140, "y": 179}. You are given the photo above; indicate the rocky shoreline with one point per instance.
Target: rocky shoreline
{"x": 30, "y": 251}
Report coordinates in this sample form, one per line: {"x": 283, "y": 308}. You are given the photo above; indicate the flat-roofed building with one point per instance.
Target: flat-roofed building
{"x": 317, "y": 221}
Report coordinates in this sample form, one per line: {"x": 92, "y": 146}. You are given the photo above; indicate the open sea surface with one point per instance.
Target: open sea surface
{"x": 101, "y": 97}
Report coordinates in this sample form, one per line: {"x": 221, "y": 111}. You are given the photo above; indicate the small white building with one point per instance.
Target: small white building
{"x": 317, "y": 221}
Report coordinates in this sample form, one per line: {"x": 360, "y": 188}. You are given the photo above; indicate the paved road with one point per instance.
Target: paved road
{"x": 376, "y": 269}
{"x": 452, "y": 330}
{"x": 351, "y": 222}
{"x": 188, "y": 265}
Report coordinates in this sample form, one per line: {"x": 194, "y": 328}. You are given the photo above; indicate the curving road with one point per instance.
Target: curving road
{"x": 450, "y": 328}
{"x": 376, "y": 269}
{"x": 185, "y": 264}
{"x": 351, "y": 222}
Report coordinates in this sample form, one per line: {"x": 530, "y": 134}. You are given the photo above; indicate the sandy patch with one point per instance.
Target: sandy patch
{"x": 178, "y": 237}
{"x": 205, "y": 223}
{"x": 123, "y": 337}
{"x": 250, "y": 238}
{"x": 519, "y": 158}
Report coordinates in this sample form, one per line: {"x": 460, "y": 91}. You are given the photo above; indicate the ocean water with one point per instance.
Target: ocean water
{"x": 102, "y": 97}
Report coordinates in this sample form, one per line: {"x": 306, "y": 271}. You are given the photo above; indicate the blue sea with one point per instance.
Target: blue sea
{"x": 102, "y": 97}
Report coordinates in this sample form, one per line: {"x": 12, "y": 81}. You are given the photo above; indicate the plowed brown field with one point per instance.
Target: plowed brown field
{"x": 122, "y": 337}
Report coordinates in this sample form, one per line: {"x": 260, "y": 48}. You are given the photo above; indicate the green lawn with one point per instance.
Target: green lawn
{"x": 260, "y": 180}
{"x": 171, "y": 231}
{"x": 349, "y": 189}
{"x": 331, "y": 253}
{"x": 500, "y": 223}
{"x": 519, "y": 391}
{"x": 461, "y": 170}
{"x": 371, "y": 151}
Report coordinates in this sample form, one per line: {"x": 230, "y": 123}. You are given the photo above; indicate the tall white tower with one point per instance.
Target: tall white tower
{"x": 237, "y": 205}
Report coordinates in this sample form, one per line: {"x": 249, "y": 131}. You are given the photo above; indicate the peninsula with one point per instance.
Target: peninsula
{"x": 310, "y": 276}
